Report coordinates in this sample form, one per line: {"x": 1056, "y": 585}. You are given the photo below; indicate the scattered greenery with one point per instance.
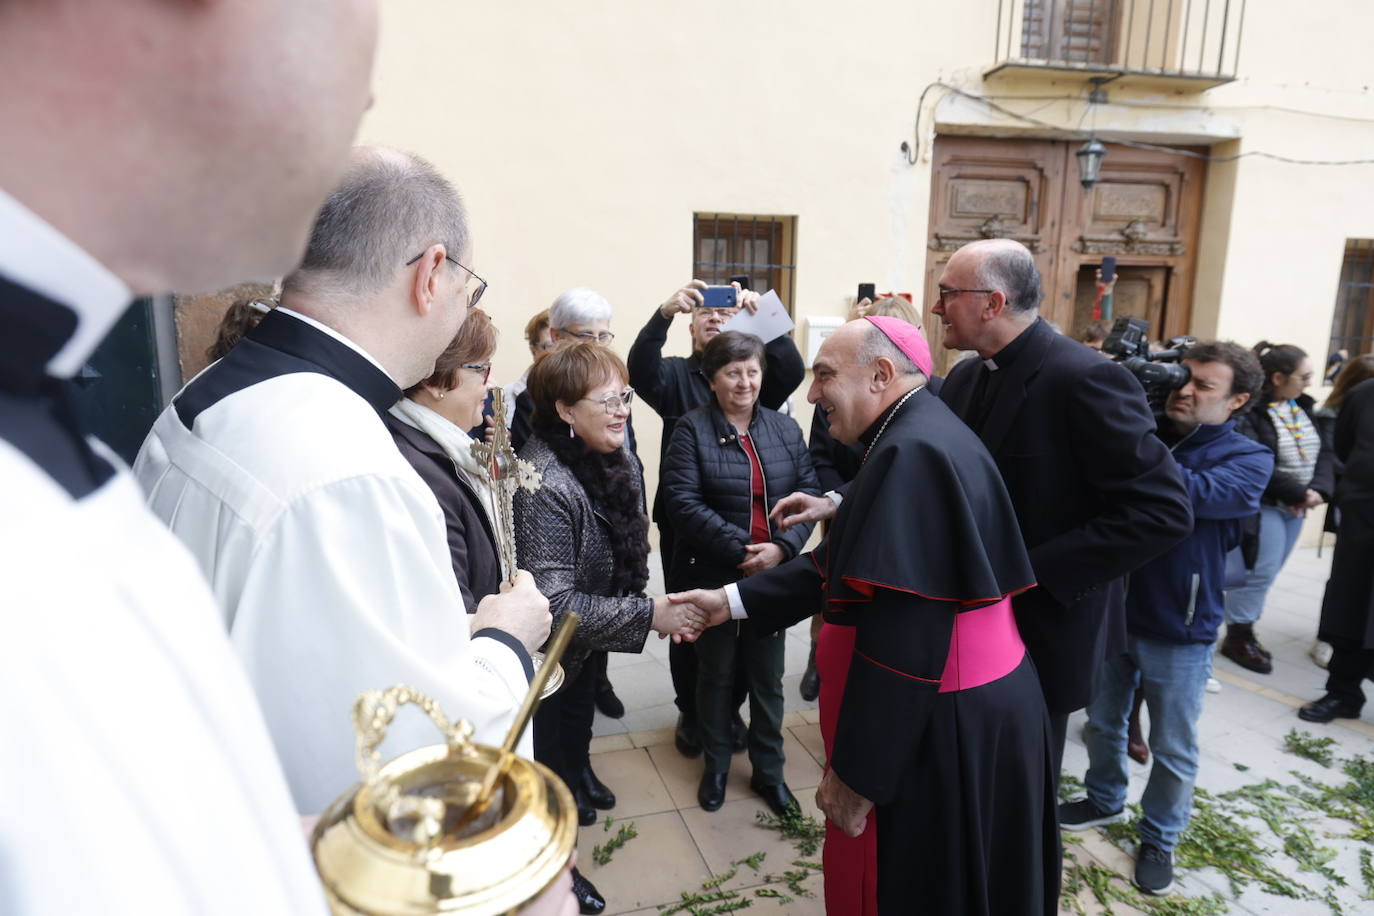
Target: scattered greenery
{"x": 753, "y": 861}
{"x": 1242, "y": 767}
{"x": 697, "y": 903}
{"x": 606, "y": 824}
{"x": 793, "y": 878}
{"x": 716, "y": 881}
{"x": 710, "y": 900}
{"x": 602, "y": 854}
{"x": 1305, "y": 744}
{"x": 1071, "y": 787}
{"x": 774, "y": 893}
{"x": 1107, "y": 887}
{"x": 1246, "y": 834}
{"x": 805, "y": 832}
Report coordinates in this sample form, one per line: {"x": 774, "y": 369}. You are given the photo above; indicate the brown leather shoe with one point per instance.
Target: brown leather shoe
{"x": 1247, "y": 653}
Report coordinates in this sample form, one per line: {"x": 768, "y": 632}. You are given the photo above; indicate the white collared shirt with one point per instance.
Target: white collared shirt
{"x": 136, "y": 773}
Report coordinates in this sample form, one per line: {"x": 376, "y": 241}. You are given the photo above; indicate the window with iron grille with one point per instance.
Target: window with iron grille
{"x": 1352, "y": 326}
{"x": 762, "y": 248}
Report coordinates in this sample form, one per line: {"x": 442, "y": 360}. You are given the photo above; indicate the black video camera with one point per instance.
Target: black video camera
{"x": 1159, "y": 372}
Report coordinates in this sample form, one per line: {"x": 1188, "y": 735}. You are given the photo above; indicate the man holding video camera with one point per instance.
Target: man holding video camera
{"x": 1173, "y": 610}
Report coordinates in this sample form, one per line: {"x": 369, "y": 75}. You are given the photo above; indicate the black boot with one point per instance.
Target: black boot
{"x": 811, "y": 680}
{"x": 1241, "y": 647}
{"x": 586, "y": 814}
{"x": 607, "y": 701}
{"x": 595, "y": 791}
{"x": 589, "y": 899}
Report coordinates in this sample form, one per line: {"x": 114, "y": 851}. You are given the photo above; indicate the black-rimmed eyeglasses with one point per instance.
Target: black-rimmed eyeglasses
{"x": 948, "y": 295}
{"x": 473, "y": 297}
{"x": 613, "y": 402}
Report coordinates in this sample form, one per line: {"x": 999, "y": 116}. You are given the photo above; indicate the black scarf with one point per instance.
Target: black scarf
{"x": 613, "y": 487}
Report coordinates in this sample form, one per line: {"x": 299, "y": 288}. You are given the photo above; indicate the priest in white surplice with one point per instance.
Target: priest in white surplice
{"x": 136, "y": 773}
{"x": 327, "y": 552}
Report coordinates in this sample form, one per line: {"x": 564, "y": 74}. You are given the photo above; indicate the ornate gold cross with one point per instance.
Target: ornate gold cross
{"x": 506, "y": 472}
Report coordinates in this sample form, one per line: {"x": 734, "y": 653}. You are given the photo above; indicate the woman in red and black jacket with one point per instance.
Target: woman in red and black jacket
{"x": 727, "y": 464}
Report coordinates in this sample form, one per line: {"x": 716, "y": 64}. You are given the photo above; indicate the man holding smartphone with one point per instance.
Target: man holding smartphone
{"x": 673, "y": 385}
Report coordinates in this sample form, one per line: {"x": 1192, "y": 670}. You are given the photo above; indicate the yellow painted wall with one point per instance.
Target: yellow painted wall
{"x": 584, "y": 136}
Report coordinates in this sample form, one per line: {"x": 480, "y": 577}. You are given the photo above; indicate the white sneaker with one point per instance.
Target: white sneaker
{"x": 1213, "y": 685}
{"x": 1320, "y": 653}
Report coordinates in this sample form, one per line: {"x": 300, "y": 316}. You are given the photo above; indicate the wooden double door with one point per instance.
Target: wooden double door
{"x": 1145, "y": 210}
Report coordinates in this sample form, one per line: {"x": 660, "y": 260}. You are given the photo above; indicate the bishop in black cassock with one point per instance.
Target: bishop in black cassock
{"x": 942, "y": 733}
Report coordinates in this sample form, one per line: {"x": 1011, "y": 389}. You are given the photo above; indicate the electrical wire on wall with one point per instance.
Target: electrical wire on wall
{"x": 912, "y": 150}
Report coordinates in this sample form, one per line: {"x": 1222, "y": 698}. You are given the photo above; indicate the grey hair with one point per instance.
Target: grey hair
{"x": 579, "y": 305}
{"x": 389, "y": 207}
{"x": 877, "y": 344}
{"x": 1011, "y": 269}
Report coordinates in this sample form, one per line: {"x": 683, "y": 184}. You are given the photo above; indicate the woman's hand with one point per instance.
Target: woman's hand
{"x": 1312, "y": 499}
{"x": 679, "y": 619}
{"x": 759, "y": 557}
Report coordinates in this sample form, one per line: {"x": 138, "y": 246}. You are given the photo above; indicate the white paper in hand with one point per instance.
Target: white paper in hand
{"x": 771, "y": 321}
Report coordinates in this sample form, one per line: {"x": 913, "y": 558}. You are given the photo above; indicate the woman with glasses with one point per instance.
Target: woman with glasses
{"x": 1283, "y": 420}
{"x": 728, "y": 463}
{"x": 584, "y": 536}
{"x": 430, "y": 427}
{"x": 578, "y": 315}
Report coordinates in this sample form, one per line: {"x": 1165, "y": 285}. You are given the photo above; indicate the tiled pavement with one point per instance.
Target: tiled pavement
{"x": 679, "y": 845}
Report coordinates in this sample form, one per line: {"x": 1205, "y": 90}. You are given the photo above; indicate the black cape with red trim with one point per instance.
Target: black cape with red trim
{"x": 927, "y": 514}
{"x": 961, "y": 780}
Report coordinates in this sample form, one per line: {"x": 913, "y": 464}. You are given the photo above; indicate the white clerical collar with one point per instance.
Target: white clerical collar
{"x": 37, "y": 256}
{"x": 334, "y": 334}
{"x": 991, "y": 364}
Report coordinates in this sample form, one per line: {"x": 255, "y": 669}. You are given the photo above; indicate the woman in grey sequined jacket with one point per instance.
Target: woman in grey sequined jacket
{"x": 565, "y": 544}
{"x": 583, "y": 535}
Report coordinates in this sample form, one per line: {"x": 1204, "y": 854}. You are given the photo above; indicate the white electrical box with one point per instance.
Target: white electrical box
{"x": 817, "y": 330}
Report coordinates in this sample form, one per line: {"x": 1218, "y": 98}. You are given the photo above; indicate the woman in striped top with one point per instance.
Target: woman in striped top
{"x": 1302, "y": 480}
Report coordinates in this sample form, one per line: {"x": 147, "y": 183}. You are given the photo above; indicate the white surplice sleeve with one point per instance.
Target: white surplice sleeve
{"x": 352, "y": 589}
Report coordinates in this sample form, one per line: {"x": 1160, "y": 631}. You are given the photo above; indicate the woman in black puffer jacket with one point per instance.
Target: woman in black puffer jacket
{"x": 728, "y": 462}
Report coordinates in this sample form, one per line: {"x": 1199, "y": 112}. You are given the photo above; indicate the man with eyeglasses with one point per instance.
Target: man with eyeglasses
{"x": 327, "y": 551}
{"x": 1096, "y": 492}
{"x": 673, "y": 385}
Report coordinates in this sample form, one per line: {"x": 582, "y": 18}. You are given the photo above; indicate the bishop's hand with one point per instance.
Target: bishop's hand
{"x": 519, "y": 609}
{"x": 841, "y": 805}
{"x": 800, "y": 508}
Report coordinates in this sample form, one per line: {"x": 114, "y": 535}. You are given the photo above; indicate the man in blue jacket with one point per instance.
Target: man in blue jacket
{"x": 1173, "y": 611}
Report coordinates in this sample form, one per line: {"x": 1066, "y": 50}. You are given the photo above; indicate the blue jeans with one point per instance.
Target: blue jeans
{"x": 1173, "y": 677}
{"x": 1278, "y": 532}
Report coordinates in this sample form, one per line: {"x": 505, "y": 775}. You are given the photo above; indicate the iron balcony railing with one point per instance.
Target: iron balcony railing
{"x": 1178, "y": 38}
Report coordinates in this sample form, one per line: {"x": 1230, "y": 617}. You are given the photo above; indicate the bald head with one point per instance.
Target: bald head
{"x": 857, "y": 375}
{"x": 389, "y": 207}
{"x": 1008, "y": 266}
{"x": 185, "y": 146}
{"x": 989, "y": 294}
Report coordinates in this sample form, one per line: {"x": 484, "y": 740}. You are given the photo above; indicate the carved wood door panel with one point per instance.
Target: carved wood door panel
{"x": 991, "y": 189}
{"x": 1145, "y": 210}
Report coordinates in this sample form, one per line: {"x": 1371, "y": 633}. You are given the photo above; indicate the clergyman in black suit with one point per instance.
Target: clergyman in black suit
{"x": 1096, "y": 493}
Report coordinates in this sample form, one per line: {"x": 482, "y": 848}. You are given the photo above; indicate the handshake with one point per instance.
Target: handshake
{"x": 684, "y": 615}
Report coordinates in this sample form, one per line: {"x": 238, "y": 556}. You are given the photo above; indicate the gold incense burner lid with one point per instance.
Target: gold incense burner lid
{"x": 394, "y": 844}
